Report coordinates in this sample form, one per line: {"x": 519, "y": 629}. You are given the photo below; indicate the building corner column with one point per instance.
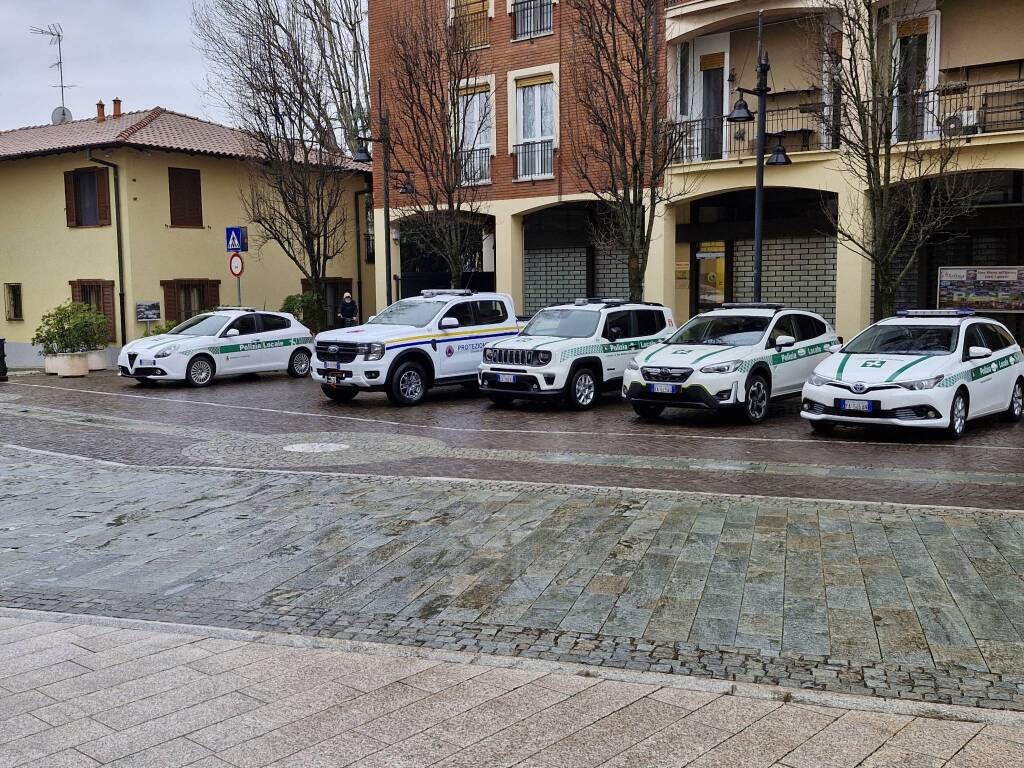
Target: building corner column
{"x": 508, "y": 256}
{"x": 380, "y": 271}
{"x": 659, "y": 278}
{"x": 853, "y": 272}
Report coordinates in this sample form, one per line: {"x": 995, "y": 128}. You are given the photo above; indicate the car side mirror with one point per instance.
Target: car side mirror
{"x": 835, "y": 348}
{"x": 784, "y": 341}
{"x": 232, "y": 332}
{"x": 370, "y": 318}
{"x": 978, "y": 353}
{"x": 449, "y": 322}
{"x": 614, "y": 334}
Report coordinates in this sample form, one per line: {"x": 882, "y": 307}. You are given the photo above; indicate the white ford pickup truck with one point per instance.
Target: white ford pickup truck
{"x": 417, "y": 343}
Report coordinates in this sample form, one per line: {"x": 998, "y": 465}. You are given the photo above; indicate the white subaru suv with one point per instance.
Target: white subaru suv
{"x": 427, "y": 340}
{"x": 923, "y": 368}
{"x": 571, "y": 351}
{"x": 739, "y": 356}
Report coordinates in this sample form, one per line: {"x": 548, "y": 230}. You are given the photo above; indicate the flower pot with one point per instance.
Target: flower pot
{"x": 50, "y": 364}
{"x": 97, "y": 359}
{"x": 72, "y": 364}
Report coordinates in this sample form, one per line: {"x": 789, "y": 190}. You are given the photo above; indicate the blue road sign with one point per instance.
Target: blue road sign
{"x": 236, "y": 239}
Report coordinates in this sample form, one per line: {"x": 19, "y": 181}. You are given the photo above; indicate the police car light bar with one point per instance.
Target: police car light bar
{"x": 934, "y": 313}
{"x": 599, "y": 300}
{"x": 753, "y": 305}
{"x": 236, "y": 309}
{"x": 431, "y": 292}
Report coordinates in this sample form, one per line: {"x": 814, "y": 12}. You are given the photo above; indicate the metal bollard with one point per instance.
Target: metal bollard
{"x": 3, "y": 361}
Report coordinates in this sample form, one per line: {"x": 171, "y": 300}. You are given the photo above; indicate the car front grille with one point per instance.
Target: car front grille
{"x": 513, "y": 357}
{"x": 673, "y": 375}
{"x": 336, "y": 352}
{"x": 132, "y": 357}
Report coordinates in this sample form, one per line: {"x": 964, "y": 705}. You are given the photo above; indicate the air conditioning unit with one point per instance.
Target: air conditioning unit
{"x": 962, "y": 123}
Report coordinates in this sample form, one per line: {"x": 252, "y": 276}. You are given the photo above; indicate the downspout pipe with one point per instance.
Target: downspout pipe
{"x": 120, "y": 241}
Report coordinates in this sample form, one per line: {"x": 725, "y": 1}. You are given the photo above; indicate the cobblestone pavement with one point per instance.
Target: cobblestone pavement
{"x": 249, "y": 422}
{"x": 920, "y": 603}
{"x": 79, "y": 694}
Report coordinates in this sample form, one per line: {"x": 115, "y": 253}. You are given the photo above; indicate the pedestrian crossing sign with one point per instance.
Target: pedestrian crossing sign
{"x": 236, "y": 239}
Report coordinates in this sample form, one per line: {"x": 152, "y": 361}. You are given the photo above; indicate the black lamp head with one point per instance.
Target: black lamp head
{"x": 779, "y": 156}
{"x": 362, "y": 153}
{"x": 740, "y": 112}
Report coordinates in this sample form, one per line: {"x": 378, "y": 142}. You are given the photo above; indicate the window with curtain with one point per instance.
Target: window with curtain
{"x": 684, "y": 79}
{"x": 474, "y": 111}
{"x": 536, "y": 109}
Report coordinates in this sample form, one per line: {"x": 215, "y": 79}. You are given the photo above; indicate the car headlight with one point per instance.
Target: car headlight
{"x": 817, "y": 381}
{"x": 168, "y": 350}
{"x": 633, "y": 365}
{"x": 489, "y": 354}
{"x": 729, "y": 367}
{"x": 372, "y": 351}
{"x": 542, "y": 358}
{"x": 917, "y": 384}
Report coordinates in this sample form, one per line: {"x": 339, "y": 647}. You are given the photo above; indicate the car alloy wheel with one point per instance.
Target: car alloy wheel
{"x": 958, "y": 416}
{"x": 1017, "y": 400}
{"x": 757, "y": 400}
{"x": 200, "y": 372}
{"x": 299, "y": 365}
{"x": 410, "y": 384}
{"x": 582, "y": 389}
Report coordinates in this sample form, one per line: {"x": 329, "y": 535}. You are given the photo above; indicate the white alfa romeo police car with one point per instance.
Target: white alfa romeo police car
{"x": 928, "y": 368}
{"x": 225, "y": 342}
{"x": 572, "y": 351}
{"x": 739, "y": 356}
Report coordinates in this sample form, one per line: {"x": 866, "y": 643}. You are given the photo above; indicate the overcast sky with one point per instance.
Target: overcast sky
{"x": 140, "y": 50}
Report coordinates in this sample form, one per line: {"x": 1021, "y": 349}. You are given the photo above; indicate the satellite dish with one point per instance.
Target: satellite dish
{"x": 60, "y": 115}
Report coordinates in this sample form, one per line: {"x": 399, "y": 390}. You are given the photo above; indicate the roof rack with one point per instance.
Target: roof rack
{"x": 598, "y": 300}
{"x": 431, "y": 292}
{"x": 752, "y": 305}
{"x": 964, "y": 312}
{"x": 236, "y": 309}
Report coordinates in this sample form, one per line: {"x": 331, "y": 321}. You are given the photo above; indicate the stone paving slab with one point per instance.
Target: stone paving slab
{"x": 921, "y": 603}
{"x": 381, "y": 707}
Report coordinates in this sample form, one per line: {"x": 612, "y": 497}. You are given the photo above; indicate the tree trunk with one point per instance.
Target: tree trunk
{"x": 636, "y": 277}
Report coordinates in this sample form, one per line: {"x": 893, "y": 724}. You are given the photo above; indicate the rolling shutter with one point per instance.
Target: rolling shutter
{"x": 712, "y": 61}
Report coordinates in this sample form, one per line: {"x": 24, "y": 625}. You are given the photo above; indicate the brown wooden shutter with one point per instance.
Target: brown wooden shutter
{"x": 107, "y": 296}
{"x": 212, "y": 291}
{"x": 170, "y": 300}
{"x": 102, "y": 197}
{"x": 70, "y": 204}
{"x": 712, "y": 61}
{"x": 185, "y": 190}
{"x": 912, "y": 27}
{"x": 76, "y": 290}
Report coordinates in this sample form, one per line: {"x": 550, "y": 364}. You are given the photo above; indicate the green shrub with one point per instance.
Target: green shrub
{"x": 308, "y": 307}
{"x": 72, "y": 327}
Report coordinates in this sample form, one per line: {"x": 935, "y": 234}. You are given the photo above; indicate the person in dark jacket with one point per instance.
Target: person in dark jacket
{"x": 348, "y": 311}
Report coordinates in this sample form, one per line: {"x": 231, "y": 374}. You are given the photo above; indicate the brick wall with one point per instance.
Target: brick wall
{"x": 798, "y": 271}
{"x": 553, "y": 276}
{"x": 611, "y": 276}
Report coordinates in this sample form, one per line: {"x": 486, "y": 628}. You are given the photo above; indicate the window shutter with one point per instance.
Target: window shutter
{"x": 526, "y": 82}
{"x": 912, "y": 27}
{"x": 712, "y": 61}
{"x": 70, "y": 205}
{"x": 107, "y": 296}
{"x": 185, "y": 191}
{"x": 170, "y": 300}
{"x": 76, "y": 290}
{"x": 212, "y": 291}
{"x": 102, "y": 197}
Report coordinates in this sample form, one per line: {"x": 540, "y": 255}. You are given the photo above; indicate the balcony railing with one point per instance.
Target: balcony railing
{"x": 534, "y": 160}
{"x": 473, "y": 29}
{"x": 957, "y": 109}
{"x": 531, "y": 18}
{"x": 475, "y": 166}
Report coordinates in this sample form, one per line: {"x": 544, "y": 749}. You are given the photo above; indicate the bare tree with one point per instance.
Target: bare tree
{"x": 623, "y": 143}
{"x": 269, "y": 68}
{"x": 888, "y": 128}
{"x": 440, "y": 121}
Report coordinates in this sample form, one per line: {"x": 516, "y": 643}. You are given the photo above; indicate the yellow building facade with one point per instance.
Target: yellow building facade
{"x": 150, "y": 230}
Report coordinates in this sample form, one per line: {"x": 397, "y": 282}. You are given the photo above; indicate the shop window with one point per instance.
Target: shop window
{"x": 87, "y": 197}
{"x": 12, "y": 301}
{"x": 186, "y": 197}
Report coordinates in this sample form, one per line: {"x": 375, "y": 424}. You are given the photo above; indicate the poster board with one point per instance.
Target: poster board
{"x": 147, "y": 311}
{"x": 986, "y": 289}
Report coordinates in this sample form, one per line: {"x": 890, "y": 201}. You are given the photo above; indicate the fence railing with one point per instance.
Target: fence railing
{"x": 534, "y": 159}
{"x": 473, "y": 29}
{"x": 531, "y": 18}
{"x": 475, "y": 166}
{"x": 957, "y": 109}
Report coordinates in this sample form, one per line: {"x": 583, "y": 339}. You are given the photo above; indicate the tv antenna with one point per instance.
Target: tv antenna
{"x": 56, "y": 34}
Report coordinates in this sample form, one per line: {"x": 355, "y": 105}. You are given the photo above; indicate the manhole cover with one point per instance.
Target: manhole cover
{"x": 316, "y": 447}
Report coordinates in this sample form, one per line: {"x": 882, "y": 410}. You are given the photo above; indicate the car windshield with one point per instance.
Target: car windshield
{"x": 722, "y": 330}
{"x": 200, "y": 325}
{"x": 567, "y": 323}
{"x": 409, "y": 312}
{"x": 905, "y": 340}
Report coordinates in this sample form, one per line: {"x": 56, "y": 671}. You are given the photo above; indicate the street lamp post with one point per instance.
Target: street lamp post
{"x": 741, "y": 114}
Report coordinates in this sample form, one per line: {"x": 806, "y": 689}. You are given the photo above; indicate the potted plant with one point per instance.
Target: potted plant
{"x": 66, "y": 334}
{"x": 98, "y": 335}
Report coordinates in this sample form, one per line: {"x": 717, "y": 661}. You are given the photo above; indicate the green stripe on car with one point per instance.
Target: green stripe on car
{"x": 908, "y": 366}
{"x": 842, "y": 366}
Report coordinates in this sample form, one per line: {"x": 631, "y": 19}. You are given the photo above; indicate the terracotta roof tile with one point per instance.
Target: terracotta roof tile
{"x": 156, "y": 128}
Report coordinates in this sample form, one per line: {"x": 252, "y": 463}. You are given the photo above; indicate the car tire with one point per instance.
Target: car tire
{"x": 758, "y": 395}
{"x": 408, "y": 384}
{"x": 823, "y": 427}
{"x": 200, "y": 371}
{"x": 958, "y": 413}
{"x": 1016, "y": 407}
{"x": 299, "y": 364}
{"x": 502, "y": 401}
{"x": 648, "y": 410}
{"x": 581, "y": 392}
{"x": 340, "y": 394}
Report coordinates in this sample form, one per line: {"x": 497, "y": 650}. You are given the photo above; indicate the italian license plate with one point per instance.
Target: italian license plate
{"x": 863, "y": 406}
{"x": 335, "y": 366}
{"x": 504, "y": 378}
{"x": 663, "y": 389}
{"x": 147, "y": 363}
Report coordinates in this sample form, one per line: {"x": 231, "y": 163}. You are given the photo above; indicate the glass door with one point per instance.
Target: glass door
{"x": 712, "y": 267}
